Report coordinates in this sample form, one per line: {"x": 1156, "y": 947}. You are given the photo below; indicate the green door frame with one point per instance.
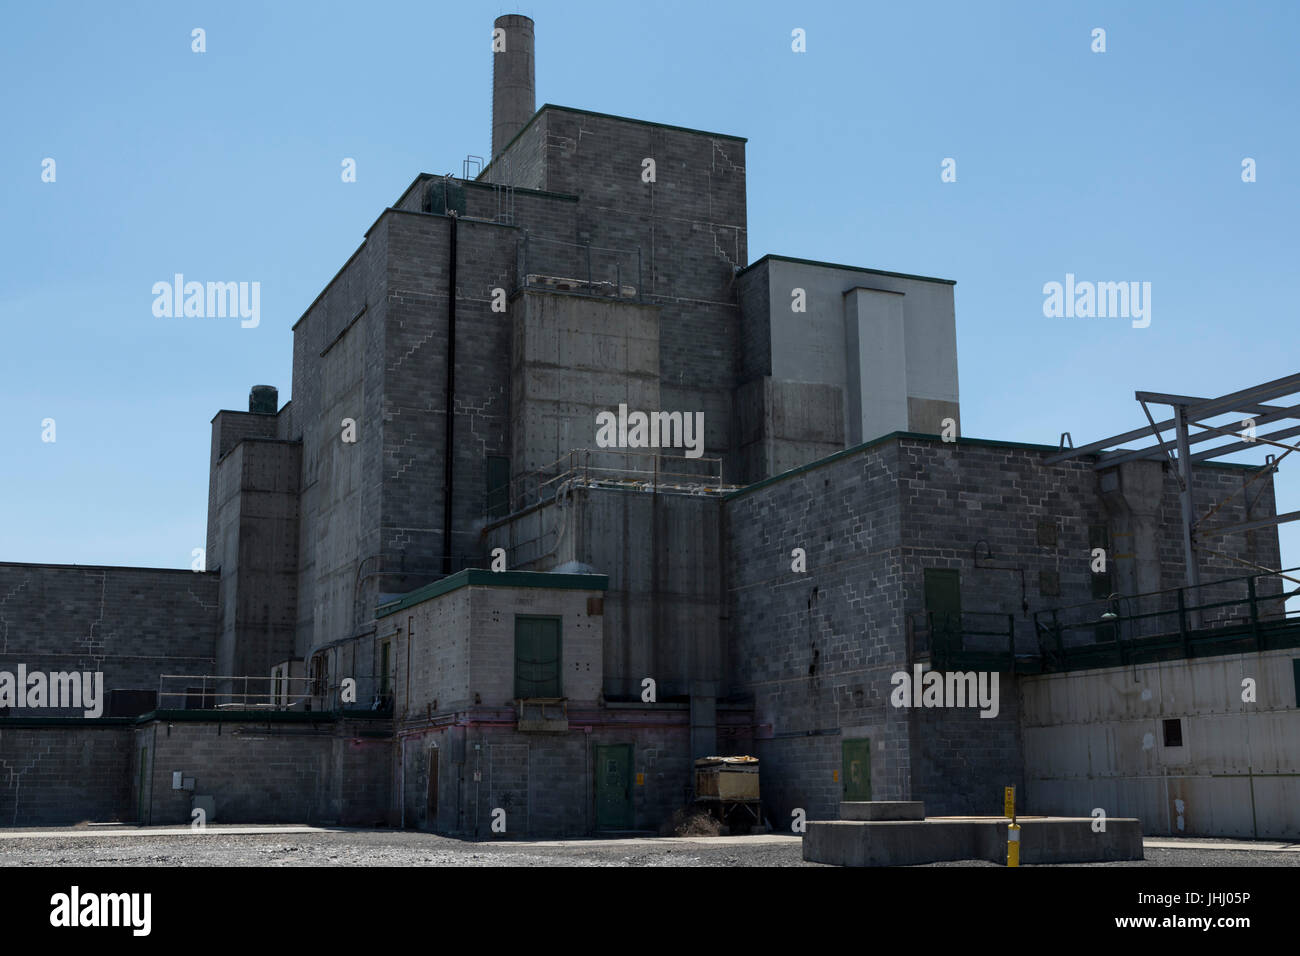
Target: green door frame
{"x": 625, "y": 816}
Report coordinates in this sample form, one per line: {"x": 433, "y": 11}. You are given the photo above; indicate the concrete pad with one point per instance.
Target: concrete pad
{"x": 882, "y": 810}
{"x": 941, "y": 839}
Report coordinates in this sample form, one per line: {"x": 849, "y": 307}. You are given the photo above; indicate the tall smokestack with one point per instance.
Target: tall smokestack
{"x": 512, "y": 78}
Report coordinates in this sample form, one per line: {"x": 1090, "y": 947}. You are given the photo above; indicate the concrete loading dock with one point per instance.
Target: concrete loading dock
{"x": 896, "y": 833}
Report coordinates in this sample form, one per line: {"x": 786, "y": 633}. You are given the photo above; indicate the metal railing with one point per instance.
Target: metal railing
{"x": 1218, "y": 617}
{"x": 243, "y": 693}
{"x": 560, "y": 266}
{"x": 1227, "y": 616}
{"x": 613, "y": 468}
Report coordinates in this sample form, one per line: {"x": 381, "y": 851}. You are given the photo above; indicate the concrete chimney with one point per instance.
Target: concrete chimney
{"x": 512, "y": 78}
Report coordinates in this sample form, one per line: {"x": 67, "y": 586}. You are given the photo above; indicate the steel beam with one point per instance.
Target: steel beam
{"x": 1245, "y": 398}
{"x": 1248, "y": 525}
{"x": 1162, "y": 449}
{"x": 1162, "y": 398}
{"x": 1243, "y": 445}
{"x": 1188, "y": 507}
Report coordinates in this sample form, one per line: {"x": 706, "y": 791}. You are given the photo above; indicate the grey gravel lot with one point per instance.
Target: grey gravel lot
{"x": 405, "y": 848}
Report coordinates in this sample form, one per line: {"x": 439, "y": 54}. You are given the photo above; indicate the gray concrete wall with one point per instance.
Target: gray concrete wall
{"x": 257, "y": 536}
{"x": 458, "y": 649}
{"x": 133, "y": 624}
{"x": 58, "y": 776}
{"x": 887, "y": 342}
{"x": 338, "y": 364}
{"x": 690, "y": 226}
{"x": 544, "y": 782}
{"x": 574, "y": 356}
{"x": 267, "y": 772}
{"x": 229, "y": 429}
{"x": 665, "y": 599}
{"x": 414, "y": 392}
{"x": 814, "y": 650}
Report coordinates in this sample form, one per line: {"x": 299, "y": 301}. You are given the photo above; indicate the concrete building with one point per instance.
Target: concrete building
{"x": 435, "y": 592}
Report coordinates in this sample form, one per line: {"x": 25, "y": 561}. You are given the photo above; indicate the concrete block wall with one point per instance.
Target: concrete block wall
{"x": 431, "y": 648}
{"x": 544, "y": 781}
{"x": 258, "y": 487}
{"x": 492, "y": 640}
{"x": 133, "y": 624}
{"x": 229, "y": 429}
{"x": 815, "y": 650}
{"x": 961, "y": 761}
{"x": 58, "y": 776}
{"x": 338, "y": 364}
{"x": 414, "y": 379}
{"x": 522, "y": 162}
{"x": 267, "y": 772}
{"x": 690, "y": 226}
{"x": 753, "y": 295}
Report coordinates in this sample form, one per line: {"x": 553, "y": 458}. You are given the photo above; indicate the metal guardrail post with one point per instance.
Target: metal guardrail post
{"x": 1254, "y": 614}
{"x": 1011, "y": 640}
{"x": 1182, "y": 625}
{"x": 638, "y": 274}
{"x": 589, "y": 286}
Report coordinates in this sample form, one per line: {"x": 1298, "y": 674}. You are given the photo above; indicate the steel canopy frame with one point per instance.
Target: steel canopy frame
{"x": 1192, "y": 412}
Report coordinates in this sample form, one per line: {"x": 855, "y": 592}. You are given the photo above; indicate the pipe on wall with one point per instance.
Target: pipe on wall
{"x": 450, "y": 403}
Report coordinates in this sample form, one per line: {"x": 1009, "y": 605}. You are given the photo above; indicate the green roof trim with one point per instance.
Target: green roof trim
{"x": 26, "y": 721}
{"x": 839, "y": 265}
{"x": 921, "y": 436}
{"x": 240, "y": 716}
{"x": 476, "y": 577}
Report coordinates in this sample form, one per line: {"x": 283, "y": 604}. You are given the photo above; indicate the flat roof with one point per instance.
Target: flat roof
{"x": 921, "y": 436}
{"x": 476, "y": 577}
{"x": 838, "y": 265}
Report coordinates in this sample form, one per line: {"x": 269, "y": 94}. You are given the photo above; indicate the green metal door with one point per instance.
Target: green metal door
{"x": 856, "y": 770}
{"x": 614, "y": 787}
{"x": 943, "y": 602}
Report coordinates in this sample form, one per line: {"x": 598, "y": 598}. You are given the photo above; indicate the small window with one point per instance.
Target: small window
{"x": 537, "y": 657}
{"x": 1174, "y": 732}
{"x": 1047, "y": 534}
{"x": 1049, "y": 583}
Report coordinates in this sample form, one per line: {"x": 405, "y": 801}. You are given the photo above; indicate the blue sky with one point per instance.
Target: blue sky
{"x": 1115, "y": 166}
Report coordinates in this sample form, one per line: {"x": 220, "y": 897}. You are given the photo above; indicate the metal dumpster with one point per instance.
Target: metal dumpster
{"x": 728, "y": 788}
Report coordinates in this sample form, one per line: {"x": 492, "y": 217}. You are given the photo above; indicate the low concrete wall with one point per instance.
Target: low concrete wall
{"x": 59, "y": 773}
{"x": 268, "y": 771}
{"x": 907, "y": 843}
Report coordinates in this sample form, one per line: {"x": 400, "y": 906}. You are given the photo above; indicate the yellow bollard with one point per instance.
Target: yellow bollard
{"x": 1013, "y": 844}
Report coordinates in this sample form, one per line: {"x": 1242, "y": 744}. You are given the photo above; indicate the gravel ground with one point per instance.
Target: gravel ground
{"x": 405, "y": 848}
